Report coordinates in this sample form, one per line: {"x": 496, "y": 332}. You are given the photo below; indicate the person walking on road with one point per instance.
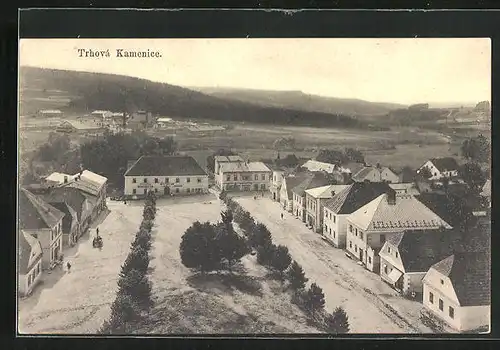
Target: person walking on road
{"x": 68, "y": 265}
{"x": 281, "y": 216}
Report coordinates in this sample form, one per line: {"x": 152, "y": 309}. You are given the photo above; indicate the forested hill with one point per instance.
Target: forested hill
{"x": 302, "y": 101}
{"x": 90, "y": 91}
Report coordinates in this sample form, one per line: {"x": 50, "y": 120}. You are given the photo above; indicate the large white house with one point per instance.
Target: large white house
{"x": 440, "y": 167}
{"x": 315, "y": 201}
{"x": 243, "y": 176}
{"x": 346, "y": 202}
{"x": 165, "y": 175}
{"x": 29, "y": 263}
{"x": 371, "y": 225}
{"x": 457, "y": 290}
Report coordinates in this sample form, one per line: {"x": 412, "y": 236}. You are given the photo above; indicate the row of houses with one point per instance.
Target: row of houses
{"x": 52, "y": 216}
{"x": 419, "y": 242}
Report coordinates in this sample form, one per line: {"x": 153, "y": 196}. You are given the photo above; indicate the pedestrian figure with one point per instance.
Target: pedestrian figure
{"x": 281, "y": 216}
{"x": 97, "y": 231}
{"x": 68, "y": 265}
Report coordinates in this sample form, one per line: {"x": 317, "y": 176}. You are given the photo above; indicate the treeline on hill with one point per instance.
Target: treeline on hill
{"x": 121, "y": 93}
{"x": 133, "y": 298}
{"x": 110, "y": 155}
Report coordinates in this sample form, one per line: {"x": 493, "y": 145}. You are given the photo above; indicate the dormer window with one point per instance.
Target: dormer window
{"x": 442, "y": 281}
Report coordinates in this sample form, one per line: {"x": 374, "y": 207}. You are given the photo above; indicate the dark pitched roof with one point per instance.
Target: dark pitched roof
{"x": 470, "y": 275}
{"x": 420, "y": 249}
{"x": 293, "y": 181}
{"x": 316, "y": 180}
{"x": 165, "y": 166}
{"x": 71, "y": 196}
{"x": 357, "y": 195}
{"x": 445, "y": 164}
{"x": 452, "y": 209}
{"x": 35, "y": 213}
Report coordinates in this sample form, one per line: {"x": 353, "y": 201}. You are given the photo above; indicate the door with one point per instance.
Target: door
{"x": 361, "y": 255}
{"x": 166, "y": 191}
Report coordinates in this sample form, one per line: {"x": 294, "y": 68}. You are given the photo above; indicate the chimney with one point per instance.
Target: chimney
{"x": 391, "y": 197}
{"x": 65, "y": 179}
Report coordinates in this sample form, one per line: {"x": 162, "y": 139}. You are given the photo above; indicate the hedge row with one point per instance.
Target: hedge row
{"x": 133, "y": 298}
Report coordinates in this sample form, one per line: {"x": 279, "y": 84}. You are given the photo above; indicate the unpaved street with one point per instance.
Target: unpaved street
{"x": 372, "y": 306}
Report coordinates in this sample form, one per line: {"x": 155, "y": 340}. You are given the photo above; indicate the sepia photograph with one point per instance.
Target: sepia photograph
{"x": 267, "y": 186}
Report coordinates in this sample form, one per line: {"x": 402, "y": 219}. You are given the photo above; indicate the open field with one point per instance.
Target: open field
{"x": 77, "y": 302}
{"x": 372, "y": 306}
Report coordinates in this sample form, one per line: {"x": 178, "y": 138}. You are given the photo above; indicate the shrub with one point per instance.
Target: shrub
{"x": 265, "y": 254}
{"x": 124, "y": 314}
{"x": 136, "y": 285}
{"x": 260, "y": 236}
{"x": 337, "y": 322}
{"x": 148, "y": 213}
{"x": 280, "y": 259}
{"x": 142, "y": 239}
{"x": 197, "y": 248}
{"x": 146, "y": 225}
{"x": 138, "y": 259}
{"x": 296, "y": 276}
{"x": 314, "y": 299}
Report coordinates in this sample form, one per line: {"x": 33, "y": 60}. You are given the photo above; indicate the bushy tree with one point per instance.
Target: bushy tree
{"x": 425, "y": 173}
{"x": 197, "y": 248}
{"x": 280, "y": 259}
{"x": 244, "y": 220}
{"x": 337, "y": 322}
{"x": 260, "y": 236}
{"x": 353, "y": 155}
{"x": 314, "y": 299}
{"x": 137, "y": 259}
{"x": 476, "y": 149}
{"x": 472, "y": 174}
{"x": 331, "y": 156}
{"x": 142, "y": 239}
{"x": 148, "y": 213}
{"x": 136, "y": 285}
{"x": 265, "y": 254}
{"x": 146, "y": 225}
{"x": 231, "y": 246}
{"x": 296, "y": 276}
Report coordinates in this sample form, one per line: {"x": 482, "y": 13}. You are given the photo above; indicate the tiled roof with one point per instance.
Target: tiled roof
{"x": 35, "y": 213}
{"x": 316, "y": 180}
{"x": 293, "y": 181}
{"x": 445, "y": 164}
{"x": 355, "y": 196}
{"x": 325, "y": 192}
{"x": 243, "y": 166}
{"x": 406, "y": 213}
{"x": 420, "y": 249}
{"x": 165, "y": 166}
{"x": 30, "y": 251}
{"x": 470, "y": 276}
{"x": 453, "y": 209}
{"x": 363, "y": 173}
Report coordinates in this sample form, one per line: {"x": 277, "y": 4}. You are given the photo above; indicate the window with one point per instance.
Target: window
{"x": 431, "y": 298}
{"x": 134, "y": 191}
{"x": 333, "y": 234}
{"x": 350, "y": 228}
{"x": 134, "y": 180}
{"x": 188, "y": 190}
{"x": 451, "y": 312}
{"x": 361, "y": 234}
{"x": 263, "y": 177}
{"x": 188, "y": 179}
{"x": 369, "y": 260}
{"x": 177, "y": 190}
{"x": 356, "y": 248}
{"x": 228, "y": 178}
{"x": 389, "y": 250}
{"x": 199, "y": 180}
{"x": 177, "y": 180}
{"x": 441, "y": 305}
{"x": 385, "y": 269}
{"x": 156, "y": 180}
{"x": 442, "y": 281}
{"x": 235, "y": 177}
{"x": 333, "y": 217}
{"x": 166, "y": 180}
{"x": 396, "y": 254}
{"x": 256, "y": 177}
{"x": 350, "y": 244}
{"x": 145, "y": 180}
{"x": 356, "y": 232}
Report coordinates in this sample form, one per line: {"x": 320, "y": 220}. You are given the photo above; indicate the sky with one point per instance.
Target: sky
{"x": 435, "y": 70}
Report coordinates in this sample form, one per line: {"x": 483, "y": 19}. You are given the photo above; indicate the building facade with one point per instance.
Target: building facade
{"x": 29, "y": 263}
{"x": 243, "y": 176}
{"x": 315, "y": 201}
{"x": 165, "y": 176}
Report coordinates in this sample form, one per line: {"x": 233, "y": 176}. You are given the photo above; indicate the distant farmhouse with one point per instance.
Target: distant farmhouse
{"x": 441, "y": 167}
{"x": 165, "y": 175}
